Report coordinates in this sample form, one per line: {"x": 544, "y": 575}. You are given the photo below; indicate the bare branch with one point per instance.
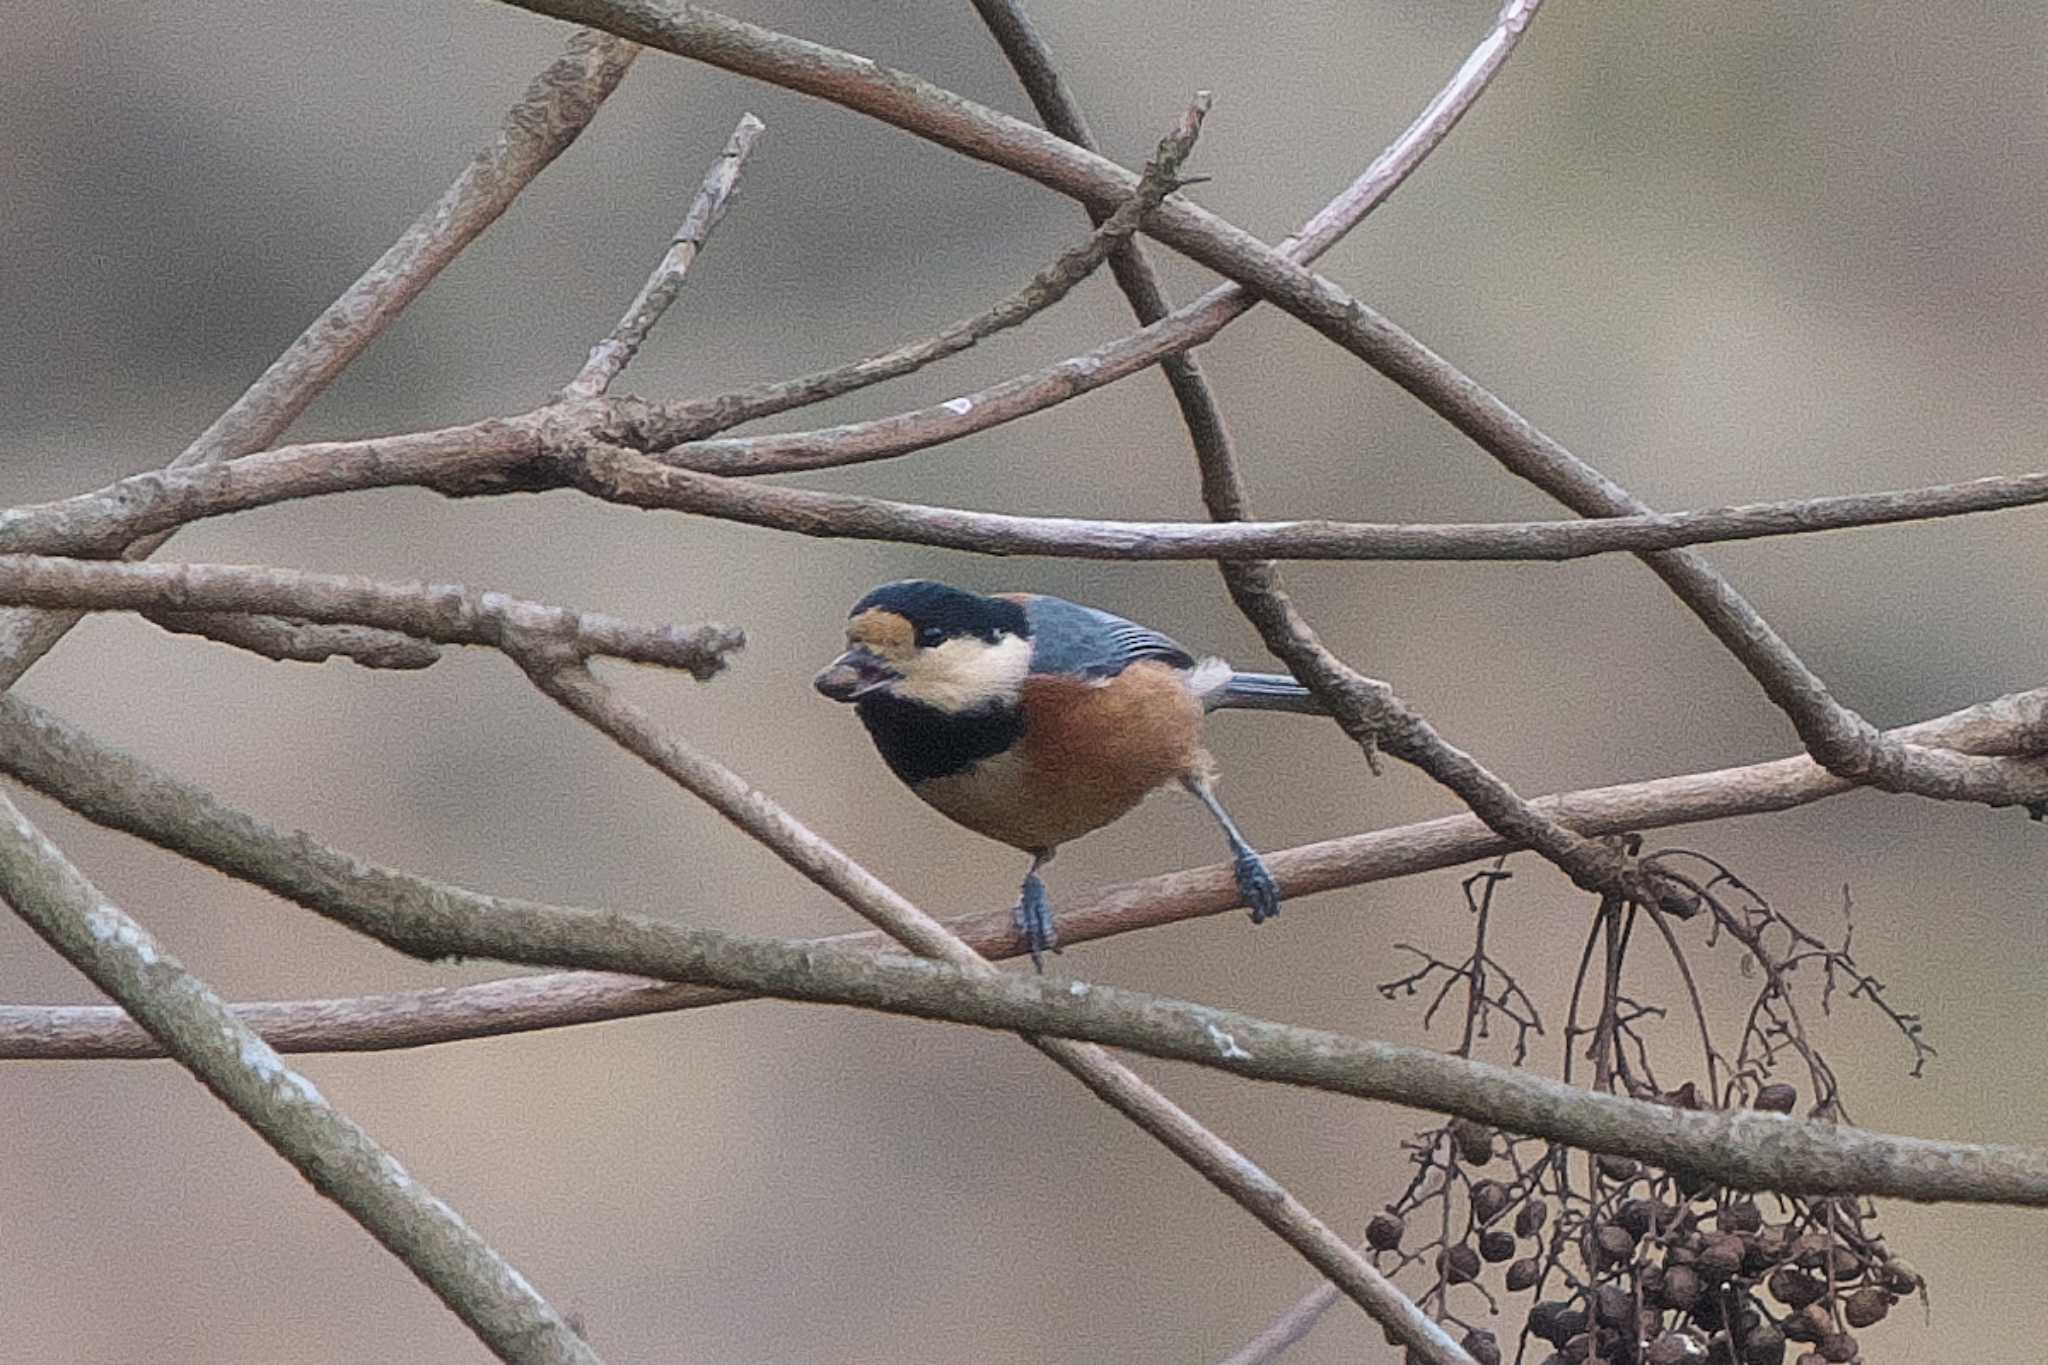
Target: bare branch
{"x": 283, "y": 640}
{"x": 335, "y": 1156}
{"x": 1746, "y": 1149}
{"x": 553, "y": 112}
{"x": 620, "y": 475}
{"x": 570, "y": 683}
{"x": 100, "y": 522}
{"x": 513, "y": 454}
{"x": 114, "y": 789}
{"x": 610, "y": 357}
{"x": 444, "y": 612}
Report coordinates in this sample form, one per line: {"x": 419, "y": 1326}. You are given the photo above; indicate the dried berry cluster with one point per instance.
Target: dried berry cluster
{"x": 1626, "y": 1264}
{"x": 1645, "y": 1267}
{"x": 1703, "y": 1276}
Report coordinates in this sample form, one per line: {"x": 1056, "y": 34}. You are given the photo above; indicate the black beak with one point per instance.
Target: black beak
{"x": 854, "y": 674}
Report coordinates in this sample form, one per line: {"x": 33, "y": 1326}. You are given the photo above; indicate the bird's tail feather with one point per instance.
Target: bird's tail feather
{"x": 1263, "y": 692}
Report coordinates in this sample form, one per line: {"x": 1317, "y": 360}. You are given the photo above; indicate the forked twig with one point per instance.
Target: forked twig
{"x": 553, "y": 112}
{"x": 610, "y": 357}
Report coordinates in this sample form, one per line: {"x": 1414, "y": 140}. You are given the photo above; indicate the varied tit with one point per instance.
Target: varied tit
{"x": 1034, "y": 720}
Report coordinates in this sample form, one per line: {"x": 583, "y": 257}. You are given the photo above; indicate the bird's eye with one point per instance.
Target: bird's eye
{"x": 930, "y": 636}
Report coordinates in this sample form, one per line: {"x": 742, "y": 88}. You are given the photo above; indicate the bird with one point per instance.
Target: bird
{"x": 1034, "y": 720}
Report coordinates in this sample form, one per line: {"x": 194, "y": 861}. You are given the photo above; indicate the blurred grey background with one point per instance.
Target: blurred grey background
{"x": 1727, "y": 252}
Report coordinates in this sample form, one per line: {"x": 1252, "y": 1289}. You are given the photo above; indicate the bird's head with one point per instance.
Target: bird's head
{"x": 925, "y": 642}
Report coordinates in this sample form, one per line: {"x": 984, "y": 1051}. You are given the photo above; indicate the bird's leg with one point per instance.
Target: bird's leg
{"x": 1261, "y": 893}
{"x": 1033, "y": 915}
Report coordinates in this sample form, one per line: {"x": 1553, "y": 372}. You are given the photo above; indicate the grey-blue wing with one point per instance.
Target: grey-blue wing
{"x": 1067, "y": 637}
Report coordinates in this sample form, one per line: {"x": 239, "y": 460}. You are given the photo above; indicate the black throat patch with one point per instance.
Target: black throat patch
{"x": 921, "y": 742}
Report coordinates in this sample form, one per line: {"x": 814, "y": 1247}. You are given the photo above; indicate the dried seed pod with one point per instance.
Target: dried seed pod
{"x": 1489, "y": 1200}
{"x": 1794, "y": 1288}
{"x": 1570, "y": 1323}
{"x": 1640, "y": 1215}
{"x": 1839, "y": 1348}
{"x": 1773, "y": 1240}
{"x": 1763, "y": 1345}
{"x": 1741, "y": 1216}
{"x": 1529, "y": 1218}
{"x": 1620, "y": 1168}
{"x": 1810, "y": 1323}
{"x": 1458, "y": 1264}
{"x": 1497, "y": 1245}
{"x": 1383, "y": 1232}
{"x": 1867, "y": 1306}
{"x": 1674, "y": 1348}
{"x": 1755, "y": 1260}
{"x": 1481, "y": 1346}
{"x": 1681, "y": 1287}
{"x": 1523, "y": 1274}
{"x": 1474, "y": 1141}
{"x": 1776, "y": 1098}
{"x": 1543, "y": 1318}
{"x": 1612, "y": 1245}
{"x": 1613, "y": 1306}
{"x": 1809, "y": 1249}
{"x": 1579, "y": 1348}
{"x": 1720, "y": 1257}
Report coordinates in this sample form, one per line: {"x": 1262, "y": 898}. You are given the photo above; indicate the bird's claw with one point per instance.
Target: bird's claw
{"x": 1033, "y": 918}
{"x": 1261, "y": 893}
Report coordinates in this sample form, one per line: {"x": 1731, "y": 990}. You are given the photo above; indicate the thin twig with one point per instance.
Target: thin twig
{"x": 284, "y": 640}
{"x": 553, "y": 112}
{"x": 1290, "y": 1326}
{"x": 115, "y": 789}
{"x": 570, "y": 683}
{"x": 428, "y": 611}
{"x": 610, "y": 357}
{"x": 336, "y": 1157}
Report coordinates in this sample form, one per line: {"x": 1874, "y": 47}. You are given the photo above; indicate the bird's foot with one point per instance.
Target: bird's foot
{"x": 1261, "y": 893}
{"x": 1033, "y": 918}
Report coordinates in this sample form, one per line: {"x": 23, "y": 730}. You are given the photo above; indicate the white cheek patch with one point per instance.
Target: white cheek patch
{"x": 965, "y": 673}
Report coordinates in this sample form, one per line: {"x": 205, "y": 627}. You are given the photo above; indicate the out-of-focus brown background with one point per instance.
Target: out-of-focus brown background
{"x": 1726, "y": 252}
